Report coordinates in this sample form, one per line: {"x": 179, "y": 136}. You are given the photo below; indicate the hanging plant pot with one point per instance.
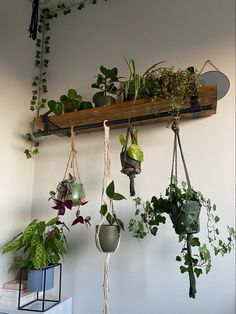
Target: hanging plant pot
{"x": 186, "y": 218}
{"x": 108, "y": 238}
{"x": 129, "y": 165}
{"x": 38, "y": 277}
{"x": 72, "y": 191}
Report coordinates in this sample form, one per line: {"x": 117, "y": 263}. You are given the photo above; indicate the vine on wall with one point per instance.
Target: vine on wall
{"x": 39, "y": 83}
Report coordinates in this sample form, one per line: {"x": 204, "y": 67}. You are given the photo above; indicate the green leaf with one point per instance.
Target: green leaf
{"x": 29, "y": 231}
{"x": 103, "y": 209}
{"x": 103, "y": 70}
{"x": 183, "y": 269}
{"x": 135, "y": 151}
{"x": 154, "y": 231}
{"x": 198, "y": 271}
{"x": 135, "y": 137}
{"x": 216, "y": 219}
{"x": 178, "y": 258}
{"x": 120, "y": 223}
{"x": 195, "y": 242}
{"x": 122, "y": 140}
{"x": 118, "y": 197}
{"x": 110, "y": 190}
{"x": 11, "y": 246}
{"x": 72, "y": 94}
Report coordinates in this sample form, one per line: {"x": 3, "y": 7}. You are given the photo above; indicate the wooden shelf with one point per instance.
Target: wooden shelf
{"x": 118, "y": 115}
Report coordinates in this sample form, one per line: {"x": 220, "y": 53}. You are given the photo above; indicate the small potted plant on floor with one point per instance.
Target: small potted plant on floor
{"x": 108, "y": 235}
{"x": 131, "y": 156}
{"x": 40, "y": 245}
{"x": 106, "y": 83}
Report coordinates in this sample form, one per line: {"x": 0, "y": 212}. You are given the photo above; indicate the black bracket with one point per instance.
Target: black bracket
{"x": 51, "y": 128}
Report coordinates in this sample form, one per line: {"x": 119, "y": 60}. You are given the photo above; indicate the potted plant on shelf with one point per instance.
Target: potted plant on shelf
{"x": 106, "y": 82}
{"x": 135, "y": 85}
{"x": 108, "y": 235}
{"x": 69, "y": 103}
{"x": 131, "y": 156}
{"x": 40, "y": 245}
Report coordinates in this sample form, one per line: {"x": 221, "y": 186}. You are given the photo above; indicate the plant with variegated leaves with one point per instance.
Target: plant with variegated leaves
{"x": 40, "y": 244}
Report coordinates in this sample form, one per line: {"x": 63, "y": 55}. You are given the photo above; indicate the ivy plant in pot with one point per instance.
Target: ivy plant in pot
{"x": 183, "y": 204}
{"x": 108, "y": 235}
{"x": 131, "y": 156}
{"x": 40, "y": 245}
{"x": 106, "y": 83}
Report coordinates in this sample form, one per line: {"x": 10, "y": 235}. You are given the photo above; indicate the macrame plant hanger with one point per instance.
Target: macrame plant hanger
{"x": 34, "y": 20}
{"x": 130, "y": 167}
{"x": 177, "y": 143}
{"x": 72, "y": 160}
{"x": 106, "y": 180}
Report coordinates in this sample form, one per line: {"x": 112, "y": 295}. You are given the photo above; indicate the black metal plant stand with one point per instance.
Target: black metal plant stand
{"x": 41, "y": 303}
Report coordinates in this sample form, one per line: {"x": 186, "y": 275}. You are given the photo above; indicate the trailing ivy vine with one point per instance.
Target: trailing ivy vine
{"x": 39, "y": 83}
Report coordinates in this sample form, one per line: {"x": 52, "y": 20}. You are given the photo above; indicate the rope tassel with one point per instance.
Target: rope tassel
{"x": 131, "y": 186}
{"x": 34, "y": 20}
{"x": 192, "y": 281}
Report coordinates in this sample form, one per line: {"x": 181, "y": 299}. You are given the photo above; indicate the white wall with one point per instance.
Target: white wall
{"x": 16, "y": 58}
{"x": 144, "y": 277}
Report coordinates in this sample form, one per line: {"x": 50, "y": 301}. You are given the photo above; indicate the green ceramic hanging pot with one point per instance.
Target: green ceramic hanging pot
{"x": 74, "y": 192}
{"x": 185, "y": 219}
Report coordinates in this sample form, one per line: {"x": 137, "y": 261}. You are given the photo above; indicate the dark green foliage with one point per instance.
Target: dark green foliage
{"x": 33, "y": 148}
{"x": 110, "y": 214}
{"x": 149, "y": 215}
{"x": 106, "y": 81}
{"x": 40, "y": 244}
{"x": 69, "y": 103}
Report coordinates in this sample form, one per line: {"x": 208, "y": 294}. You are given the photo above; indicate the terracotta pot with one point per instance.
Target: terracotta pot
{"x": 186, "y": 218}
{"x": 108, "y": 238}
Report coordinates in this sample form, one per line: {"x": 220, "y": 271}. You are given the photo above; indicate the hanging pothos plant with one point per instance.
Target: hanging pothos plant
{"x": 39, "y": 83}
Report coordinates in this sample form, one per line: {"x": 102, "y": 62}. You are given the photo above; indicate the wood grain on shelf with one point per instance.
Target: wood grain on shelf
{"x": 131, "y": 109}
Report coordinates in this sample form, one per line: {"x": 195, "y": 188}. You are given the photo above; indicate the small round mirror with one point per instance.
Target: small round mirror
{"x": 219, "y": 78}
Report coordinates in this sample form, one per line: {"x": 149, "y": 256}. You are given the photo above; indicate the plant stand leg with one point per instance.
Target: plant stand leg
{"x": 192, "y": 281}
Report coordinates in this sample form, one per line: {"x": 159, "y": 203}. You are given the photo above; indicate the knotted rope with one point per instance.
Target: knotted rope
{"x": 175, "y": 128}
{"x": 106, "y": 181}
{"x": 72, "y": 160}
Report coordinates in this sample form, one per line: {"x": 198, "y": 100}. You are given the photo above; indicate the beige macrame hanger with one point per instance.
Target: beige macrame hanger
{"x": 72, "y": 161}
{"x": 106, "y": 181}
